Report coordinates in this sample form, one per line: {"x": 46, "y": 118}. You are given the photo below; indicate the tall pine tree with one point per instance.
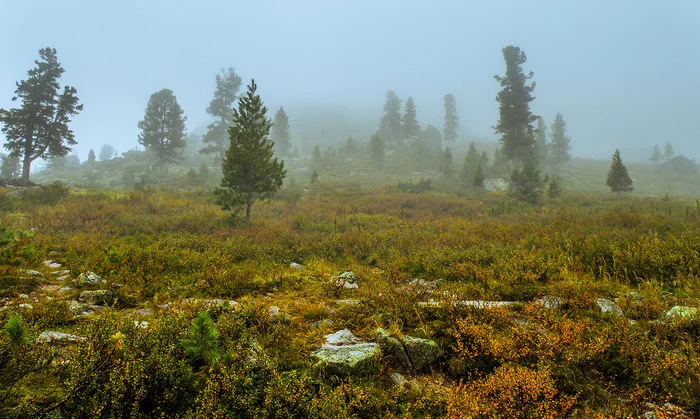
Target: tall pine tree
{"x": 390, "y": 126}
{"x": 668, "y": 151}
{"x": 10, "y": 167}
{"x": 561, "y": 144}
{"x": 249, "y": 170}
{"x": 376, "y": 151}
{"x": 515, "y": 123}
{"x": 451, "y": 119}
{"x": 618, "y": 179}
{"x": 39, "y": 127}
{"x": 655, "y": 155}
{"x": 409, "y": 122}
{"x": 228, "y": 83}
{"x": 280, "y": 133}
{"x": 163, "y": 127}
{"x": 541, "y": 146}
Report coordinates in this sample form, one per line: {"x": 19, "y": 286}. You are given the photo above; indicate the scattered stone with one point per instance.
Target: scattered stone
{"x": 61, "y": 273}
{"x": 347, "y": 302}
{"x": 96, "y": 297}
{"x": 322, "y": 323}
{"x": 63, "y": 278}
{"x": 57, "y": 337}
{"x": 216, "y": 302}
{"x": 64, "y": 290}
{"x": 425, "y": 284}
{"x": 83, "y": 310}
{"x": 141, "y": 324}
{"x": 274, "y": 312}
{"x": 681, "y": 312}
{"x": 33, "y": 273}
{"x": 26, "y": 306}
{"x": 496, "y": 184}
{"x": 634, "y": 296}
{"x": 89, "y": 278}
{"x": 25, "y": 296}
{"x": 297, "y": 266}
{"x": 53, "y": 264}
{"x": 398, "y": 380}
{"x": 421, "y": 352}
{"x": 468, "y": 303}
{"x": 143, "y": 312}
{"x": 256, "y": 356}
{"x": 550, "y": 301}
{"x": 391, "y": 346}
{"x": 345, "y": 279}
{"x": 341, "y": 337}
{"x": 350, "y": 286}
{"x": 607, "y": 306}
{"x": 345, "y": 360}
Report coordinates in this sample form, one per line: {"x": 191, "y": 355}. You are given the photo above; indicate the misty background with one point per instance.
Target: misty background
{"x": 624, "y": 74}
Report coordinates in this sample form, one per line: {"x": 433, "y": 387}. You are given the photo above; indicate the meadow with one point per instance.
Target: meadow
{"x": 168, "y": 253}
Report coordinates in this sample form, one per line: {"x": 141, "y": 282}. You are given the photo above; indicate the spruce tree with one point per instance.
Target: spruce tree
{"x": 228, "y": 83}
{"x": 526, "y": 184}
{"x": 314, "y": 177}
{"x": 515, "y": 123}
{"x": 618, "y": 179}
{"x": 451, "y": 119}
{"x": 432, "y": 139}
{"x": 163, "y": 127}
{"x": 350, "y": 147}
{"x": 668, "y": 151}
{"x": 553, "y": 190}
{"x": 376, "y": 151}
{"x": 39, "y": 127}
{"x": 446, "y": 164}
{"x": 655, "y": 155}
{"x": 10, "y": 167}
{"x": 316, "y": 154}
{"x": 280, "y": 133}
{"x": 409, "y": 123}
{"x": 390, "y": 126}
{"x": 106, "y": 152}
{"x": 91, "y": 157}
{"x": 471, "y": 161}
{"x": 249, "y": 170}
{"x": 561, "y": 143}
{"x": 478, "y": 178}
{"x": 541, "y": 146}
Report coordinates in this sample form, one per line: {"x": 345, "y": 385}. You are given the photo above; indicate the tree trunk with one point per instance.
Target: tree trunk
{"x": 26, "y": 164}
{"x": 249, "y": 205}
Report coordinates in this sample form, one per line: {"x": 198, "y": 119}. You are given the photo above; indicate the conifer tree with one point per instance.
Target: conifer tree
{"x": 471, "y": 161}
{"x": 446, "y": 164}
{"x": 409, "y": 123}
{"x": 561, "y": 143}
{"x": 376, "y": 151}
{"x": 91, "y": 157}
{"x": 10, "y": 167}
{"x": 316, "y": 154}
{"x": 553, "y": 190}
{"x": 451, "y": 119}
{"x": 515, "y": 123}
{"x": 249, "y": 170}
{"x": 390, "y": 126}
{"x": 655, "y": 155}
{"x": 314, "y": 177}
{"x": 280, "y": 133}
{"x": 541, "y": 146}
{"x": 228, "y": 83}
{"x": 618, "y": 179}
{"x": 526, "y": 184}
{"x": 106, "y": 152}
{"x": 163, "y": 127}
{"x": 202, "y": 341}
{"x": 39, "y": 127}
{"x": 478, "y": 178}
{"x": 668, "y": 151}
{"x": 350, "y": 147}
{"x": 432, "y": 139}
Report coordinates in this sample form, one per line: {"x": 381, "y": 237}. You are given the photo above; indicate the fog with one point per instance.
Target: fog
{"x": 624, "y": 74}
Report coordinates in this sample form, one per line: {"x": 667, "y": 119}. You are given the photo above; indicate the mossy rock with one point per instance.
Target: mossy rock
{"x": 421, "y": 352}
{"x": 342, "y": 361}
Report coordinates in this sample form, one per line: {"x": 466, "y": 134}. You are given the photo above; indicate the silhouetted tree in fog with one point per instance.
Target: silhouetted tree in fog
{"x": 390, "y": 126}
{"x": 249, "y": 170}
{"x": 409, "y": 122}
{"x": 515, "y": 123}
{"x": 560, "y": 143}
{"x": 280, "y": 133}
{"x": 668, "y": 151}
{"x": 91, "y": 157}
{"x": 446, "y": 163}
{"x": 541, "y": 146}
{"x": 10, "y": 167}
{"x": 106, "y": 152}
{"x": 451, "y": 119}
{"x": 39, "y": 127}
{"x": 618, "y": 179}
{"x": 163, "y": 127}
{"x": 376, "y": 151}
{"x": 228, "y": 83}
{"x": 655, "y": 155}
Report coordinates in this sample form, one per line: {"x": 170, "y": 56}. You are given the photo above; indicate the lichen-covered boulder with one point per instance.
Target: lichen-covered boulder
{"x": 88, "y": 279}
{"x": 345, "y": 360}
{"x": 96, "y": 297}
{"x": 550, "y": 301}
{"x": 421, "y": 352}
{"x": 392, "y": 347}
{"x": 681, "y": 312}
{"x": 607, "y": 306}
{"x": 57, "y": 337}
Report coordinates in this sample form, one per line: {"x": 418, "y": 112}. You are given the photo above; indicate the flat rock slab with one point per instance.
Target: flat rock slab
{"x": 550, "y": 301}
{"x": 58, "y": 337}
{"x": 53, "y": 264}
{"x": 680, "y": 312}
{"x": 96, "y": 297}
{"x": 607, "y": 306}
{"x": 345, "y": 360}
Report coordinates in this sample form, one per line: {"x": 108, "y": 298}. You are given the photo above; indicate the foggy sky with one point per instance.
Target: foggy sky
{"x": 623, "y": 73}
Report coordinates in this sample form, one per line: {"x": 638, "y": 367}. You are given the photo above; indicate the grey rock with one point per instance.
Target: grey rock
{"x": 321, "y": 323}
{"x": 216, "y": 302}
{"x": 421, "y": 352}
{"x": 341, "y": 337}
{"x": 345, "y": 360}
{"x": 347, "y": 302}
{"x": 63, "y": 278}
{"x": 681, "y": 312}
{"x": 398, "y": 380}
{"x": 26, "y": 306}
{"x": 63, "y": 272}
{"x": 607, "y": 306}
{"x": 64, "y": 290}
{"x": 58, "y": 337}
{"x": 275, "y": 312}
{"x": 96, "y": 297}
{"x": 393, "y": 347}
{"x": 496, "y": 184}
{"x": 297, "y": 266}
{"x": 25, "y": 296}
{"x": 143, "y": 312}
{"x": 550, "y": 301}
{"x": 343, "y": 279}
{"x": 52, "y": 264}
{"x": 89, "y": 278}
{"x": 143, "y": 324}
{"x": 33, "y": 273}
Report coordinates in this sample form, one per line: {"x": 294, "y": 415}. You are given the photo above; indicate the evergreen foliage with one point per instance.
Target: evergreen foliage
{"x": 390, "y": 126}
{"x": 91, "y": 157}
{"x": 655, "y": 155}
{"x": 280, "y": 133}
{"x": 10, "y": 167}
{"x": 228, "y": 83}
{"x": 314, "y": 177}
{"x": 541, "y": 146}
{"x": 16, "y": 330}
{"x": 376, "y": 151}
{"x": 163, "y": 127}
{"x": 515, "y": 123}
{"x": 561, "y": 143}
{"x": 478, "y": 178}
{"x": 451, "y": 119}
{"x": 526, "y": 184}
{"x": 39, "y": 127}
{"x": 249, "y": 170}
{"x": 431, "y": 139}
{"x": 668, "y": 151}
{"x": 202, "y": 341}
{"x": 106, "y": 152}
{"x": 446, "y": 164}
{"x": 316, "y": 154}
{"x": 409, "y": 122}
{"x": 553, "y": 190}
{"x": 618, "y": 179}
{"x": 350, "y": 147}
